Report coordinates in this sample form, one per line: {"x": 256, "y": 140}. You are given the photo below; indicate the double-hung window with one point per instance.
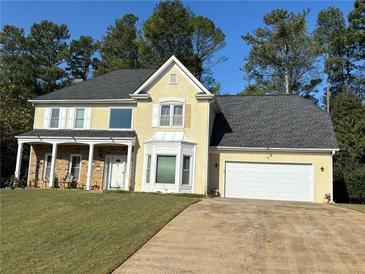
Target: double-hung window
{"x": 79, "y": 118}
{"x": 186, "y": 170}
{"x": 75, "y": 164}
{"x": 171, "y": 115}
{"x": 120, "y": 118}
{"x": 148, "y": 169}
{"x": 47, "y": 166}
{"x": 55, "y": 118}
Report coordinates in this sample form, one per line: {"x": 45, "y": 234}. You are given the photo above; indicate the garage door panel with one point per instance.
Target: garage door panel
{"x": 269, "y": 181}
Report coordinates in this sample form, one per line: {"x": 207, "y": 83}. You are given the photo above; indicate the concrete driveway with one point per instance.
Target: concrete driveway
{"x": 240, "y": 236}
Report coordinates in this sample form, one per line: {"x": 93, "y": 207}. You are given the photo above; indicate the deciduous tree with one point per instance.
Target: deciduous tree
{"x": 207, "y": 39}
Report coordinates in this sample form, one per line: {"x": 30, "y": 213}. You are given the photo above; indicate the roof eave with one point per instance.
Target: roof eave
{"x": 140, "y": 96}
{"x": 267, "y": 149}
{"x": 78, "y": 101}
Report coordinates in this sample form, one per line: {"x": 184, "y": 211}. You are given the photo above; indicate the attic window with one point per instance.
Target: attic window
{"x": 173, "y": 79}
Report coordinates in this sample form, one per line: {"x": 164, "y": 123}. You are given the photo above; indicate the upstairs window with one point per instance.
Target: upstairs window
{"x": 79, "y": 118}
{"x": 171, "y": 116}
{"x": 173, "y": 79}
{"x": 120, "y": 118}
{"x": 55, "y": 118}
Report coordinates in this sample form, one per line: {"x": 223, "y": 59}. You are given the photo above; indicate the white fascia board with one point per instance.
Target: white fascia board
{"x": 204, "y": 96}
{"x": 246, "y": 149}
{"x": 81, "y": 140}
{"x": 91, "y": 101}
{"x": 140, "y": 96}
{"x": 157, "y": 73}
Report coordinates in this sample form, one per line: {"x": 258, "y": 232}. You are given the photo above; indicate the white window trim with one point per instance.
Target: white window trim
{"x": 169, "y": 149}
{"x": 172, "y": 106}
{"x": 177, "y": 79}
{"x": 190, "y": 170}
{"x": 70, "y": 164}
{"x": 50, "y": 118}
{"x": 121, "y": 129}
{"x": 75, "y": 115}
{"x": 45, "y": 164}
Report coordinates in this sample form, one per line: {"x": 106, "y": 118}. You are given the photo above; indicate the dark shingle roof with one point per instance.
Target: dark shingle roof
{"x": 114, "y": 85}
{"x": 272, "y": 121}
{"x": 78, "y": 133}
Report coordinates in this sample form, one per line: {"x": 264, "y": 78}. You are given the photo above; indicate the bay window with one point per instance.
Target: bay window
{"x": 185, "y": 180}
{"x": 165, "y": 169}
{"x": 148, "y": 169}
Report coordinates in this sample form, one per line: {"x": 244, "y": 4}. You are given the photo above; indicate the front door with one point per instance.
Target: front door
{"x": 116, "y": 171}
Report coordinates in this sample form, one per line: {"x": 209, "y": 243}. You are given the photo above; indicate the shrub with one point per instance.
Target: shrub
{"x": 16, "y": 183}
{"x": 355, "y": 182}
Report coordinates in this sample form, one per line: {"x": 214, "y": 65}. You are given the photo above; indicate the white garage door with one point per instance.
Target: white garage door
{"x": 272, "y": 181}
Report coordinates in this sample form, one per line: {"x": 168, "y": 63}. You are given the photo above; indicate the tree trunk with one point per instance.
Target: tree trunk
{"x": 286, "y": 81}
{"x": 286, "y": 69}
{"x": 328, "y": 95}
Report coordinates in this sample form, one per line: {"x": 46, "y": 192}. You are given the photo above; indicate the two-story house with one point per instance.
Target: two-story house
{"x": 162, "y": 130}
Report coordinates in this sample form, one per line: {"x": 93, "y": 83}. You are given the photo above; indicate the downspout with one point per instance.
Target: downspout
{"x": 332, "y": 154}
{"x": 208, "y": 140}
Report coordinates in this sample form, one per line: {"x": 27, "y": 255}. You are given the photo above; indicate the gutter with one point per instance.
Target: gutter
{"x": 228, "y": 148}
{"x": 77, "y": 101}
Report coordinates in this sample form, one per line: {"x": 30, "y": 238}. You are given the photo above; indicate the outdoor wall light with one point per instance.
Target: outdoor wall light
{"x": 322, "y": 168}
{"x": 216, "y": 165}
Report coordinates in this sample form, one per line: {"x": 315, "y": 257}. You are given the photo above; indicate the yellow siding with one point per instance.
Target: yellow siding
{"x": 196, "y": 130}
{"x": 322, "y": 180}
{"x": 100, "y": 118}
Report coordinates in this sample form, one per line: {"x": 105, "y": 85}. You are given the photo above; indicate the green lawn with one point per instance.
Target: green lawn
{"x": 357, "y": 207}
{"x": 68, "y": 231}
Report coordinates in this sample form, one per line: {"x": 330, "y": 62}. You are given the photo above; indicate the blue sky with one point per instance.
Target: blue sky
{"x": 233, "y": 17}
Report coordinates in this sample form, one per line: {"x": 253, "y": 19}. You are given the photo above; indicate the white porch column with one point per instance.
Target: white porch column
{"x": 90, "y": 166}
{"x": 128, "y": 168}
{"x": 19, "y": 160}
{"x": 53, "y": 165}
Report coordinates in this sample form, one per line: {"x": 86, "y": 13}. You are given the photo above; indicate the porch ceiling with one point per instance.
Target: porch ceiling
{"x": 63, "y": 136}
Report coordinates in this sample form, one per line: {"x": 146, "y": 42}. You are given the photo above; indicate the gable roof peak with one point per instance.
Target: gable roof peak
{"x": 160, "y": 70}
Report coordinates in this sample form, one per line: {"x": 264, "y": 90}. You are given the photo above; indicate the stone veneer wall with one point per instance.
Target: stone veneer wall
{"x": 37, "y": 161}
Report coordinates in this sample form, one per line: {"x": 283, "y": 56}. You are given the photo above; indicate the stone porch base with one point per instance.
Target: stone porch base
{"x": 37, "y": 161}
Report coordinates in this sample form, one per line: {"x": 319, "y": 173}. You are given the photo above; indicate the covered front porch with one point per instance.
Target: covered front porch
{"x": 66, "y": 158}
